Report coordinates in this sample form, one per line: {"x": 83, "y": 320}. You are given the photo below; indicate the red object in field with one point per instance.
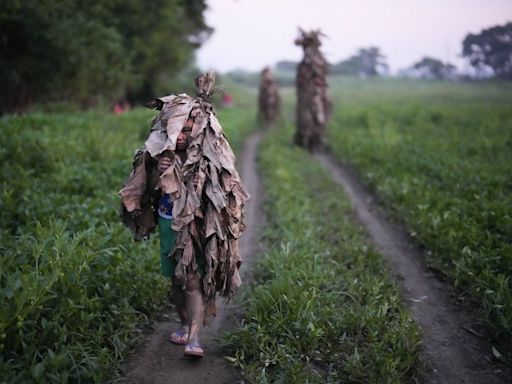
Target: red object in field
{"x": 227, "y": 100}
{"x": 122, "y": 106}
{"x": 118, "y": 109}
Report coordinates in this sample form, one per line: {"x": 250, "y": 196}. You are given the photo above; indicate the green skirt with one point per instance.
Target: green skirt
{"x": 167, "y": 241}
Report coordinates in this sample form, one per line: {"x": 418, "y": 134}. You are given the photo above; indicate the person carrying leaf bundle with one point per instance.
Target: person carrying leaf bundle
{"x": 313, "y": 103}
{"x": 185, "y": 179}
{"x": 269, "y": 101}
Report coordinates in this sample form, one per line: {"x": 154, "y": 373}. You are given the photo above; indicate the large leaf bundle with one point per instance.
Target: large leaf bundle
{"x": 313, "y": 104}
{"x": 269, "y": 102}
{"x": 205, "y": 188}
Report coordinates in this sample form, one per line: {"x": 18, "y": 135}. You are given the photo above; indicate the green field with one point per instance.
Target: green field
{"x": 439, "y": 156}
{"x": 74, "y": 288}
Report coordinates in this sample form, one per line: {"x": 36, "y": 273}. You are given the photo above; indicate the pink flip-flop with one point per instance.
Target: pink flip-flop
{"x": 179, "y": 337}
{"x": 194, "y": 350}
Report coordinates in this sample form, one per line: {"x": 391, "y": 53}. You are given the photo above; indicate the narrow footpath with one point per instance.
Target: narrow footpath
{"x": 453, "y": 353}
{"x": 157, "y": 360}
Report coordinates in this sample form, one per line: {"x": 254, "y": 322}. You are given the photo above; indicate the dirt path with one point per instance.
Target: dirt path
{"x": 452, "y": 353}
{"x": 157, "y": 361}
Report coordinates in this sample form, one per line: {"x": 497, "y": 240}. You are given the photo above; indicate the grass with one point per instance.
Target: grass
{"x": 439, "y": 156}
{"x": 74, "y": 288}
{"x": 323, "y": 308}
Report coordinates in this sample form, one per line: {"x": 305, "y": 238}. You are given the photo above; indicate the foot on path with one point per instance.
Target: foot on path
{"x": 179, "y": 336}
{"x": 194, "y": 350}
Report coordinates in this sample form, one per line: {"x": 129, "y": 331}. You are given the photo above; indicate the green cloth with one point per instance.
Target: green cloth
{"x": 167, "y": 241}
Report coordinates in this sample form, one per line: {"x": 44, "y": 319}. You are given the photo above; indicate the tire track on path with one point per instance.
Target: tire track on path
{"x": 156, "y": 360}
{"x": 452, "y": 355}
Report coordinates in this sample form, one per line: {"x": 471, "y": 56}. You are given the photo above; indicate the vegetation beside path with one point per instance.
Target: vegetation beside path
{"x": 439, "y": 156}
{"x": 73, "y": 286}
{"x": 323, "y": 308}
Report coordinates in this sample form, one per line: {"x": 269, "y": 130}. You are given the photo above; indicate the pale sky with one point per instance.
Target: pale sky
{"x": 250, "y": 34}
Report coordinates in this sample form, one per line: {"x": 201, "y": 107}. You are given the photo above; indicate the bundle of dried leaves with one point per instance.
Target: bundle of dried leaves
{"x": 207, "y": 193}
{"x": 269, "y": 102}
{"x": 313, "y": 104}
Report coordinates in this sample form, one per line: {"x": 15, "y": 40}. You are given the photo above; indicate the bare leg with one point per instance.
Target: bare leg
{"x": 181, "y": 305}
{"x": 195, "y": 309}
{"x": 180, "y": 336}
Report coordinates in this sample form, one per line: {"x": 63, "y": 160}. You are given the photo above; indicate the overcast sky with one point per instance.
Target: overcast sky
{"x": 250, "y": 34}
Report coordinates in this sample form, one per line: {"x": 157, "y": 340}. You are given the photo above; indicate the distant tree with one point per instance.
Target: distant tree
{"x": 434, "y": 69}
{"x": 373, "y": 62}
{"x": 348, "y": 67}
{"x": 163, "y": 35}
{"x": 244, "y": 77}
{"x": 85, "y": 51}
{"x": 367, "y": 62}
{"x": 491, "y": 48}
{"x": 286, "y": 65}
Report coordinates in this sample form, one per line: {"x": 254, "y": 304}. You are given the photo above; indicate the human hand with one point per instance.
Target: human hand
{"x": 195, "y": 179}
{"x": 163, "y": 164}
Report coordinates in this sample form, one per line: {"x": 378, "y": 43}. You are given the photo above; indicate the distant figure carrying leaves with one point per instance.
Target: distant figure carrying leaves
{"x": 269, "y": 102}
{"x": 313, "y": 104}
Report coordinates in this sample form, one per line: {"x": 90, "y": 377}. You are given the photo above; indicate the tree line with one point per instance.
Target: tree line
{"x": 85, "y": 51}
{"x": 489, "y": 51}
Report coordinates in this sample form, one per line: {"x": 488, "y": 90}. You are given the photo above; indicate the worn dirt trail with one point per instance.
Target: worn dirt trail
{"x": 452, "y": 354}
{"x": 157, "y": 360}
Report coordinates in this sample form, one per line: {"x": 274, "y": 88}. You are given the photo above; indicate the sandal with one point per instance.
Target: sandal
{"x": 179, "y": 337}
{"x": 194, "y": 350}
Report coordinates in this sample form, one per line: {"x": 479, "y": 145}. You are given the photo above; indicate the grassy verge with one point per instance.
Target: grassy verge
{"x": 324, "y": 309}
{"x": 439, "y": 156}
{"x": 73, "y": 285}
